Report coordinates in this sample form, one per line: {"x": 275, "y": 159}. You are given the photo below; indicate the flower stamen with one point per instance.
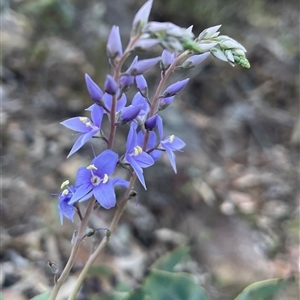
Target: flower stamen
{"x": 137, "y": 150}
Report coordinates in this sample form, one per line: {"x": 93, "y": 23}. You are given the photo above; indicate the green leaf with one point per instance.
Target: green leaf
{"x": 138, "y": 295}
{"x": 44, "y": 296}
{"x": 261, "y": 290}
{"x": 1, "y": 297}
{"x": 161, "y": 285}
{"x": 168, "y": 261}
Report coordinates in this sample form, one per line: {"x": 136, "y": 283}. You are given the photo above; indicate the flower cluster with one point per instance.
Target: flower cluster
{"x": 145, "y": 141}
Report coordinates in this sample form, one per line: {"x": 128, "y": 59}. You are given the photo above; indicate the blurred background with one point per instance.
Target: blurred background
{"x": 235, "y": 199}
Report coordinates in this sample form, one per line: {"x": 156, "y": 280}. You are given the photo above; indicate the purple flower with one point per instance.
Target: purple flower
{"x": 170, "y": 144}
{"x": 64, "y": 208}
{"x": 151, "y": 144}
{"x": 94, "y": 180}
{"x": 93, "y": 89}
{"x": 175, "y": 88}
{"x": 85, "y": 127}
{"x": 114, "y": 43}
{"x": 135, "y": 156}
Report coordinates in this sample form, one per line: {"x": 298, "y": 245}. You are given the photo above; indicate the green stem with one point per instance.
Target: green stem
{"x": 71, "y": 260}
{"x": 104, "y": 241}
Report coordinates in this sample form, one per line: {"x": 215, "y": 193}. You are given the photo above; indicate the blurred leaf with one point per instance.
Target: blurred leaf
{"x": 138, "y": 295}
{"x": 161, "y": 285}
{"x": 261, "y": 290}
{"x": 44, "y": 296}
{"x": 168, "y": 261}
{"x": 1, "y": 297}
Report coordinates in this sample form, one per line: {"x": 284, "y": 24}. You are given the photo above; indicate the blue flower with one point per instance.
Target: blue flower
{"x": 64, "y": 208}
{"x": 94, "y": 180}
{"x": 170, "y": 144}
{"x": 156, "y": 144}
{"x": 135, "y": 156}
{"x": 85, "y": 127}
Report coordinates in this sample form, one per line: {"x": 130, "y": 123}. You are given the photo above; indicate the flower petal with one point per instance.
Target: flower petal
{"x": 81, "y": 191}
{"x": 131, "y": 139}
{"x": 121, "y": 103}
{"x": 66, "y": 210}
{"x": 144, "y": 160}
{"x": 77, "y": 125}
{"x": 82, "y": 140}
{"x": 120, "y": 182}
{"x": 83, "y": 176}
{"x": 106, "y": 162}
{"x": 176, "y": 144}
{"x": 97, "y": 114}
{"x": 171, "y": 156}
{"x": 137, "y": 169}
{"x": 105, "y": 194}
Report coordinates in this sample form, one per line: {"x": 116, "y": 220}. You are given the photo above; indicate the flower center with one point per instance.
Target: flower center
{"x": 95, "y": 179}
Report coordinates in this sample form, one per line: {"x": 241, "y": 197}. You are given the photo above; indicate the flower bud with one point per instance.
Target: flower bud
{"x": 165, "y": 102}
{"x": 194, "y": 60}
{"x": 151, "y": 123}
{"x": 209, "y": 32}
{"x": 218, "y": 53}
{"x": 145, "y": 44}
{"x": 142, "y": 66}
{"x": 141, "y": 84}
{"x": 95, "y": 92}
{"x": 167, "y": 59}
{"x": 206, "y": 45}
{"x": 114, "y": 44}
{"x": 129, "y": 113}
{"x": 111, "y": 86}
{"x": 175, "y": 88}
{"x": 126, "y": 82}
{"x": 141, "y": 17}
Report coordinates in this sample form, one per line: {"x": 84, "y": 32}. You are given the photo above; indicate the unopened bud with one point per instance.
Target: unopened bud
{"x": 95, "y": 92}
{"x": 114, "y": 44}
{"x": 110, "y": 85}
